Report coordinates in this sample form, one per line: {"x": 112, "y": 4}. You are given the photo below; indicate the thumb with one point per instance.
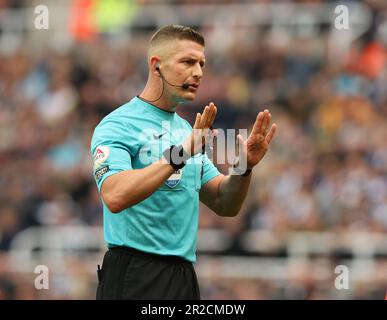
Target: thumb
{"x": 239, "y": 142}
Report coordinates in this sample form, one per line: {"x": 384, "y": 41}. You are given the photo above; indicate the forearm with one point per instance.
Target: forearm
{"x": 127, "y": 188}
{"x": 232, "y": 193}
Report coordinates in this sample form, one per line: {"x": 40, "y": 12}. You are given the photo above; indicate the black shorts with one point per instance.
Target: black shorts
{"x": 131, "y": 274}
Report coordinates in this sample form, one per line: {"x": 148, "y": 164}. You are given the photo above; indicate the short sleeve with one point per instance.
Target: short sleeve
{"x": 112, "y": 148}
{"x": 209, "y": 170}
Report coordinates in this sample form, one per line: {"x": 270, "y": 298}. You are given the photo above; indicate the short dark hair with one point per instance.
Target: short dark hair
{"x": 175, "y": 31}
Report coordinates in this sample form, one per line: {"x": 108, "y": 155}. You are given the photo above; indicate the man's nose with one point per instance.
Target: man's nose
{"x": 198, "y": 71}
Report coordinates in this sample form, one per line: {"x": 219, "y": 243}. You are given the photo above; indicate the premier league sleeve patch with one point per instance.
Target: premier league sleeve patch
{"x": 100, "y": 156}
{"x": 100, "y": 172}
{"x": 174, "y": 179}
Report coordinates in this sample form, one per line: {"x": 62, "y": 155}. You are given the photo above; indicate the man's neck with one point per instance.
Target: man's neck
{"x": 153, "y": 97}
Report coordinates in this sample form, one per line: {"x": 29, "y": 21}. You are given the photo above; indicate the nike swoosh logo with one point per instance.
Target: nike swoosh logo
{"x": 158, "y": 136}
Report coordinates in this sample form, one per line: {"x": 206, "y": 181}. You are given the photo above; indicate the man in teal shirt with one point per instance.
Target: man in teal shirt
{"x": 151, "y": 172}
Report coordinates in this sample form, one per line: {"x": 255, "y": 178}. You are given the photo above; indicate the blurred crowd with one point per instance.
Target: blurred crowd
{"x": 326, "y": 169}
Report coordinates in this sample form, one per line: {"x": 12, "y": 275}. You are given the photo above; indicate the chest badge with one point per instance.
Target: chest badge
{"x": 174, "y": 179}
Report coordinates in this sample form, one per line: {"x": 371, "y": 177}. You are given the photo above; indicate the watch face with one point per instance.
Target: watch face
{"x": 174, "y": 179}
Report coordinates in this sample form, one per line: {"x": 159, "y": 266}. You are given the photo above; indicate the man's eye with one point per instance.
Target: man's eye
{"x": 189, "y": 62}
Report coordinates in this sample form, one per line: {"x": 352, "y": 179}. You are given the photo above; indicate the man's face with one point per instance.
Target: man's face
{"x": 184, "y": 65}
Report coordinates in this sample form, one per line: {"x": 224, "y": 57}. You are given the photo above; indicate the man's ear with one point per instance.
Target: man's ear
{"x": 155, "y": 61}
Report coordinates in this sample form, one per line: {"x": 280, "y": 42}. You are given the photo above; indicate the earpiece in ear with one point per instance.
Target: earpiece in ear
{"x": 158, "y": 66}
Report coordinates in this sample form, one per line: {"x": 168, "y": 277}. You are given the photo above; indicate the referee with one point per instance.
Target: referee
{"x": 151, "y": 173}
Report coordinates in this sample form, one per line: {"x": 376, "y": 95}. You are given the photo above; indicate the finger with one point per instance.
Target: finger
{"x": 208, "y": 115}
{"x": 204, "y": 117}
{"x": 240, "y": 140}
{"x": 271, "y": 133}
{"x": 265, "y": 122}
{"x": 258, "y": 124}
{"x": 197, "y": 121}
{"x": 211, "y": 111}
{"x": 240, "y": 143}
{"x": 215, "y": 110}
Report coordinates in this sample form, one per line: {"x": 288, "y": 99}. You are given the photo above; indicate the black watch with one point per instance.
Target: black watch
{"x": 241, "y": 172}
{"x": 176, "y": 156}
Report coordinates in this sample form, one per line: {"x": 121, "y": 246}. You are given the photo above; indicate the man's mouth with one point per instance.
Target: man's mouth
{"x": 193, "y": 86}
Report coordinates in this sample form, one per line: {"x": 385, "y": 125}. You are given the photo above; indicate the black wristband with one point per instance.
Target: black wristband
{"x": 242, "y": 173}
{"x": 176, "y": 156}
{"x": 247, "y": 173}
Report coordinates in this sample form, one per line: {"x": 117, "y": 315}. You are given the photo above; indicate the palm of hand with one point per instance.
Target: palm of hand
{"x": 255, "y": 147}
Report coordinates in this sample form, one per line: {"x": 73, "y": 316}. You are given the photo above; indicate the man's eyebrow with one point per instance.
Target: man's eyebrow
{"x": 193, "y": 58}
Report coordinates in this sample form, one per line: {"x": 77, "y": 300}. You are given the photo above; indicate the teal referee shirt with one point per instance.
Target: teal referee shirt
{"x": 133, "y": 137}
